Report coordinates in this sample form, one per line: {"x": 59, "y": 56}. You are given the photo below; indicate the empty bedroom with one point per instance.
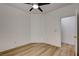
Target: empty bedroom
{"x": 38, "y": 29}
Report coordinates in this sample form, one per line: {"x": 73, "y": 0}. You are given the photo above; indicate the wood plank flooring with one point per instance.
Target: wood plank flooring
{"x": 40, "y": 49}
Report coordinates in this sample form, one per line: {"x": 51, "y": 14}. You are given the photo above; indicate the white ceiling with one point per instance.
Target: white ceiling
{"x": 45, "y": 8}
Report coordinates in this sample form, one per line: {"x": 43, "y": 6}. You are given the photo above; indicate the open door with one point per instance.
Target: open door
{"x": 69, "y": 30}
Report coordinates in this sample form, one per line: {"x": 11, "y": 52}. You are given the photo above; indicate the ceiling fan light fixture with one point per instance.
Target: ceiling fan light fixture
{"x": 35, "y": 6}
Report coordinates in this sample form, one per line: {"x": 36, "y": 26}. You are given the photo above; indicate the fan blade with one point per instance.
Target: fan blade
{"x": 29, "y": 3}
{"x": 40, "y": 4}
{"x": 40, "y": 9}
{"x": 31, "y": 9}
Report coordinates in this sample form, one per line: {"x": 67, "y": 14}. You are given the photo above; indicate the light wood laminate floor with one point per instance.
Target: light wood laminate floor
{"x": 40, "y": 49}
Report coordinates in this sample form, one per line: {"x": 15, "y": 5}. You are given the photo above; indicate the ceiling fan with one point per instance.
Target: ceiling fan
{"x": 37, "y": 6}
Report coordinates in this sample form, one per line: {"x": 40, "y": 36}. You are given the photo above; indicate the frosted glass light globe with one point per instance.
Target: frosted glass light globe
{"x": 35, "y": 6}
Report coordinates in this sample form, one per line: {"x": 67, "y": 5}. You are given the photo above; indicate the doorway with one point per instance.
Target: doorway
{"x": 69, "y": 30}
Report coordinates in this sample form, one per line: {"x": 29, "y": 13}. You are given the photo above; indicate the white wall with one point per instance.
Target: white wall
{"x": 45, "y": 29}
{"x": 14, "y": 27}
{"x": 39, "y": 29}
{"x": 35, "y": 28}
